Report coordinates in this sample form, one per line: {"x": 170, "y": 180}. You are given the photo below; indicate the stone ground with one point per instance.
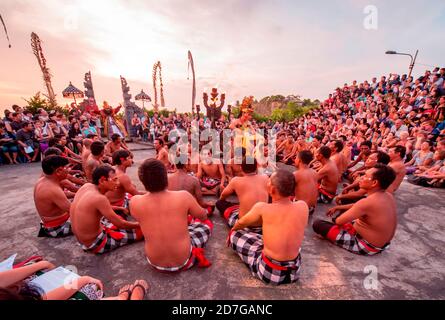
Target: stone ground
{"x": 412, "y": 268}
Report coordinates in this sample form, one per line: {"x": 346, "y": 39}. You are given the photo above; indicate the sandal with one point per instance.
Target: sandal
{"x": 128, "y": 289}
{"x": 140, "y": 284}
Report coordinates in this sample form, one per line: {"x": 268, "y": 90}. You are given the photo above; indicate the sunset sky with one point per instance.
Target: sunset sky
{"x": 244, "y": 47}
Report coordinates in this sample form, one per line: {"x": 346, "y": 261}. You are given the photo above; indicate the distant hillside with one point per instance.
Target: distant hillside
{"x": 267, "y": 105}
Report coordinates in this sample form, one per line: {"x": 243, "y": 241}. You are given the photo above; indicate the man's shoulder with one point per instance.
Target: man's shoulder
{"x": 299, "y": 205}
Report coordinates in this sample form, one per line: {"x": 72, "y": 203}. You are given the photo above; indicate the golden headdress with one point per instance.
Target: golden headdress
{"x": 246, "y": 106}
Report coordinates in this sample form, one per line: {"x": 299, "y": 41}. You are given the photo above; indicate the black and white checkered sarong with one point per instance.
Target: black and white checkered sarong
{"x": 56, "y": 232}
{"x": 112, "y": 238}
{"x": 232, "y": 215}
{"x": 347, "y": 238}
{"x": 249, "y": 246}
{"x": 199, "y": 233}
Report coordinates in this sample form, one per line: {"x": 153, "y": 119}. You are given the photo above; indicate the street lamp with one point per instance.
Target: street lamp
{"x": 413, "y": 60}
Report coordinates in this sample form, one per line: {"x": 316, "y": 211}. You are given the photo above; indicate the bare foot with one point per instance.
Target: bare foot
{"x": 140, "y": 289}
{"x": 125, "y": 292}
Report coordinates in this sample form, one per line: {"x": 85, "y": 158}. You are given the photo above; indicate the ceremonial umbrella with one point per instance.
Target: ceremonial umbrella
{"x": 72, "y": 92}
{"x": 143, "y": 97}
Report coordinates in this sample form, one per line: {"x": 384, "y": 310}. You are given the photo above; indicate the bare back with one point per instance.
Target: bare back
{"x": 50, "y": 200}
{"x": 306, "y": 186}
{"x": 400, "y": 169}
{"x": 91, "y": 164}
{"x": 283, "y": 229}
{"x": 163, "y": 157}
{"x": 163, "y": 219}
{"x": 179, "y": 180}
{"x": 378, "y": 221}
{"x": 250, "y": 190}
{"x": 85, "y": 154}
{"x": 85, "y": 214}
{"x": 340, "y": 162}
{"x": 328, "y": 176}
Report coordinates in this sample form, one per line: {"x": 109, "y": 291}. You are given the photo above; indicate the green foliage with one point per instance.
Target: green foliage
{"x": 37, "y": 101}
{"x": 259, "y": 118}
{"x": 164, "y": 112}
{"x": 235, "y": 111}
{"x": 293, "y": 110}
{"x": 277, "y": 97}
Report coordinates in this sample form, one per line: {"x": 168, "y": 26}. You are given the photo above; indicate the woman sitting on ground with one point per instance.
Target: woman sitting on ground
{"x": 15, "y": 285}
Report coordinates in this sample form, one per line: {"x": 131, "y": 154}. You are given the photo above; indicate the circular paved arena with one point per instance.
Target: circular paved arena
{"x": 412, "y": 268}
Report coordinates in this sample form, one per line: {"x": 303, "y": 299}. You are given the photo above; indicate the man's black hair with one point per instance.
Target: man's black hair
{"x": 284, "y": 181}
{"x": 384, "y": 174}
{"x": 52, "y": 152}
{"x": 153, "y": 175}
{"x": 118, "y": 155}
{"x": 367, "y": 143}
{"x": 382, "y": 157}
{"x": 25, "y": 124}
{"x": 338, "y": 145}
{"x": 249, "y": 165}
{"x": 161, "y": 141}
{"x": 101, "y": 171}
{"x": 325, "y": 152}
{"x": 305, "y": 156}
{"x": 115, "y": 136}
{"x": 96, "y": 148}
{"x": 52, "y": 142}
{"x": 52, "y": 163}
{"x": 400, "y": 150}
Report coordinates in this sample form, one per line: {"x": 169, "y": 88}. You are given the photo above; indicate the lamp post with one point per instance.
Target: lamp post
{"x": 413, "y": 59}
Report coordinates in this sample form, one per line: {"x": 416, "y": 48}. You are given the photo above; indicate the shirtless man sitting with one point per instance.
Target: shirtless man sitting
{"x": 86, "y": 151}
{"x": 95, "y": 159}
{"x": 211, "y": 173}
{"x": 306, "y": 183}
{"x": 91, "y": 205}
{"x": 233, "y": 168}
{"x": 352, "y": 193}
{"x": 250, "y": 189}
{"x": 161, "y": 152}
{"x": 327, "y": 176}
{"x": 119, "y": 198}
{"x": 72, "y": 183}
{"x": 338, "y": 157}
{"x": 181, "y": 180}
{"x": 365, "y": 147}
{"x": 397, "y": 154}
{"x": 368, "y": 226}
{"x": 285, "y": 149}
{"x": 50, "y": 200}
{"x": 274, "y": 256}
{"x": 173, "y": 243}
{"x": 114, "y": 145}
